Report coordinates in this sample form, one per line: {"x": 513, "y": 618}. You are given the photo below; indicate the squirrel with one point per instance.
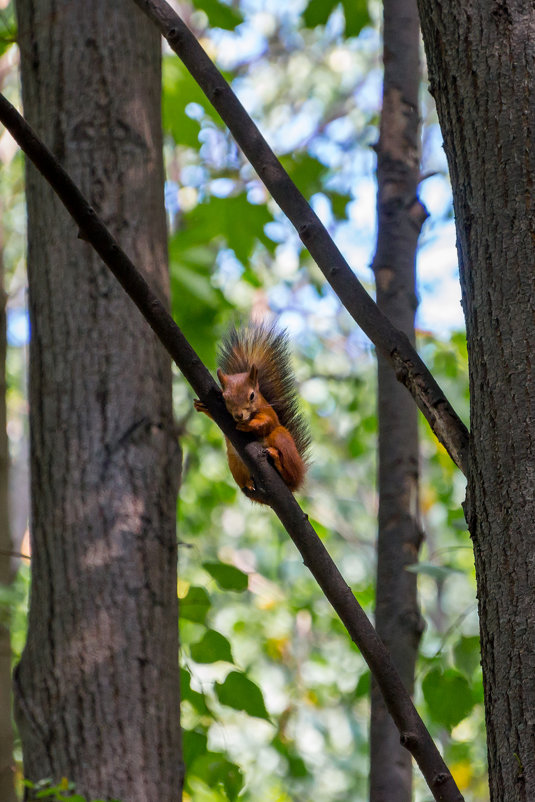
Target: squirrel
{"x": 259, "y": 392}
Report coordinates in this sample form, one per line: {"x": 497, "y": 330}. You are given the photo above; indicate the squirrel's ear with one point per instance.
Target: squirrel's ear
{"x": 253, "y": 374}
{"x": 222, "y": 378}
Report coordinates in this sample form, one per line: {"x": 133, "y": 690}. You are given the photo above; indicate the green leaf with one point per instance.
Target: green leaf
{"x": 200, "y": 791}
{"x": 187, "y": 694}
{"x": 467, "y": 654}
{"x": 8, "y": 28}
{"x": 227, "y": 576}
{"x": 194, "y": 744}
{"x": 215, "y": 769}
{"x": 322, "y": 531}
{"x": 457, "y": 520}
{"x": 241, "y": 693}
{"x": 296, "y": 764}
{"x": 318, "y": 12}
{"x": 212, "y": 647}
{"x": 305, "y": 171}
{"x": 339, "y": 203}
{"x": 219, "y": 14}
{"x": 195, "y": 605}
{"x": 197, "y": 305}
{"x": 356, "y": 16}
{"x": 218, "y": 217}
{"x": 448, "y": 696}
{"x": 363, "y": 685}
{"x": 179, "y": 89}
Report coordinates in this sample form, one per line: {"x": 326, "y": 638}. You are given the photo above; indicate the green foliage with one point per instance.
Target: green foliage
{"x": 210, "y": 773}
{"x": 306, "y": 171}
{"x": 218, "y": 217}
{"x": 220, "y": 15}
{"x": 212, "y": 647}
{"x": 310, "y": 176}
{"x": 237, "y": 691}
{"x": 448, "y": 696}
{"x": 187, "y": 694}
{"x": 228, "y": 577}
{"x": 219, "y": 773}
{"x": 195, "y": 606}
{"x": 467, "y": 655}
{"x": 8, "y": 27}
{"x": 14, "y": 607}
{"x": 196, "y": 301}
{"x": 179, "y": 90}
{"x": 317, "y": 12}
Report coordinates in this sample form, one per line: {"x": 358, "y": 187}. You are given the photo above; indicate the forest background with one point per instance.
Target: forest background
{"x": 312, "y": 79}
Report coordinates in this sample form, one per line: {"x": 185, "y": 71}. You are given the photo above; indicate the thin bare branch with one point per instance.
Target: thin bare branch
{"x": 413, "y": 732}
{"x": 392, "y": 343}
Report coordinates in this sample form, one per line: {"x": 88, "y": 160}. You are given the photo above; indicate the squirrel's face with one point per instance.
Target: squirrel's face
{"x": 240, "y": 393}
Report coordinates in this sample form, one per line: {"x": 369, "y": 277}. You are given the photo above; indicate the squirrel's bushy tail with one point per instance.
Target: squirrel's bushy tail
{"x": 267, "y": 348}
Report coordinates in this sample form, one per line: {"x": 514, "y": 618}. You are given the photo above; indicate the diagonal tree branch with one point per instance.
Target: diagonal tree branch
{"x": 413, "y": 732}
{"x": 392, "y": 343}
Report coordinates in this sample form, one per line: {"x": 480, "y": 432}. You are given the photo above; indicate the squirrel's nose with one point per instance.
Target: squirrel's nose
{"x": 238, "y": 415}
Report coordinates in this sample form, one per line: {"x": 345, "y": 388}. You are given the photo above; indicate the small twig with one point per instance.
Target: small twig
{"x": 15, "y": 554}
{"x": 426, "y": 175}
{"x": 392, "y": 343}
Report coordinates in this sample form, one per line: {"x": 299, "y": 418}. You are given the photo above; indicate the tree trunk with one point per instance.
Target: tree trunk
{"x": 97, "y": 687}
{"x": 400, "y": 217}
{"x": 482, "y": 70}
{"x": 7, "y": 777}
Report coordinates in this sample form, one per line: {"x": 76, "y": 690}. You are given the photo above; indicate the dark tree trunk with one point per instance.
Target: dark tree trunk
{"x": 400, "y": 216}
{"x": 7, "y": 777}
{"x": 482, "y": 70}
{"x": 97, "y": 687}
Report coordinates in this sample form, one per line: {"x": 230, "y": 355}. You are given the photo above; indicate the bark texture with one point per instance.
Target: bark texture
{"x": 400, "y": 217}
{"x": 482, "y": 70}
{"x": 97, "y": 687}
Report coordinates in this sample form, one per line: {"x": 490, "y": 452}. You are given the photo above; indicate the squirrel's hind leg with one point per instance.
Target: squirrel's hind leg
{"x": 286, "y": 458}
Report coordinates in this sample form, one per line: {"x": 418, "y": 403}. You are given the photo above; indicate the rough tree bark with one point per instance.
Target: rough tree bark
{"x": 97, "y": 686}
{"x": 482, "y": 73}
{"x": 400, "y": 217}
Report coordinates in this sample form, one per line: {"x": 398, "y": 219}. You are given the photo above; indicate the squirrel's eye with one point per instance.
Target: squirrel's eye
{"x": 251, "y": 397}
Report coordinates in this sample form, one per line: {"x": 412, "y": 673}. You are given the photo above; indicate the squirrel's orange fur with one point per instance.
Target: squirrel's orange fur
{"x": 259, "y": 392}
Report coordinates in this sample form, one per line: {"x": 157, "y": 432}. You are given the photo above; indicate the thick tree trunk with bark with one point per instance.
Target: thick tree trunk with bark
{"x": 400, "y": 216}
{"x": 482, "y": 70}
{"x": 97, "y": 687}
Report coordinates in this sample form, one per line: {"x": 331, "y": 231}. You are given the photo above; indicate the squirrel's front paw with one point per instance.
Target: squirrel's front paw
{"x": 243, "y": 426}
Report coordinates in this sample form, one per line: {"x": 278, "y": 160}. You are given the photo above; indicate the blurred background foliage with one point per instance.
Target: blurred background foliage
{"x": 275, "y": 696}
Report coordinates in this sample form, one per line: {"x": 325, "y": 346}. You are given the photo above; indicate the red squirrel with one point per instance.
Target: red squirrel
{"x": 259, "y": 392}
